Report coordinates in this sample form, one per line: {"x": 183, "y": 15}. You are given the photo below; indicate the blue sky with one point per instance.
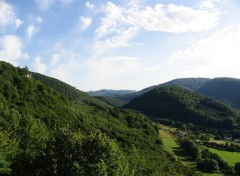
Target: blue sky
{"x": 127, "y": 44}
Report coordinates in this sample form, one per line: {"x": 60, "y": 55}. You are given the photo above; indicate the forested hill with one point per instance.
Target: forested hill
{"x": 224, "y": 89}
{"x": 45, "y": 130}
{"x": 186, "y": 106}
{"x": 110, "y": 93}
{"x": 186, "y": 83}
{"x": 60, "y": 86}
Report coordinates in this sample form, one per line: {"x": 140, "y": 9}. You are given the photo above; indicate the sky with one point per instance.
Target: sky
{"x": 122, "y": 44}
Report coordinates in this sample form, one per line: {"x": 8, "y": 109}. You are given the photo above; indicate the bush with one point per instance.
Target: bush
{"x": 237, "y": 168}
{"x": 207, "y": 165}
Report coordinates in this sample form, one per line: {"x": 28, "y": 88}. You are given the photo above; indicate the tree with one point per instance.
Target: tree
{"x": 71, "y": 154}
{"x": 237, "y": 168}
{"x": 7, "y": 150}
{"x": 191, "y": 147}
{"x": 207, "y": 165}
{"x": 101, "y": 156}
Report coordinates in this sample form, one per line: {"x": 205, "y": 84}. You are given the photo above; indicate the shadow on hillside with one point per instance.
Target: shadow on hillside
{"x": 183, "y": 155}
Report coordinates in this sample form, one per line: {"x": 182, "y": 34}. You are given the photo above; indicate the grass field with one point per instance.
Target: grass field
{"x": 172, "y": 147}
{"x": 230, "y": 157}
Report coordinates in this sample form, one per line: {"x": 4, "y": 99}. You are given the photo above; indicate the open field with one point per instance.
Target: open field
{"x": 230, "y": 157}
{"x": 172, "y": 147}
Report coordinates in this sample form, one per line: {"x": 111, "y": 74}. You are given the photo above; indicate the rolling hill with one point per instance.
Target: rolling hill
{"x": 223, "y": 89}
{"x": 51, "y": 128}
{"x": 110, "y": 93}
{"x": 186, "y": 83}
{"x": 186, "y": 106}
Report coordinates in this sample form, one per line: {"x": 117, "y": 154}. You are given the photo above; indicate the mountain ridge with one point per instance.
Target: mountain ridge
{"x": 186, "y": 106}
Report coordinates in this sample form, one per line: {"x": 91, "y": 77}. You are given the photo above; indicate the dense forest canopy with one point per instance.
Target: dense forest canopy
{"x": 50, "y": 128}
{"x": 186, "y": 106}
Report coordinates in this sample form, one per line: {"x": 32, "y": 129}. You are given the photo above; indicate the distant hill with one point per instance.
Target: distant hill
{"x": 223, "y": 89}
{"x": 186, "y": 106}
{"x": 186, "y": 83}
{"x": 44, "y": 121}
{"x": 111, "y": 101}
{"x": 110, "y": 93}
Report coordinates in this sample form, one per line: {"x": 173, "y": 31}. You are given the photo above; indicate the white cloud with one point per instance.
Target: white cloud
{"x": 84, "y": 23}
{"x": 39, "y": 20}
{"x": 31, "y": 30}
{"x": 45, "y": 4}
{"x": 211, "y": 4}
{"x": 118, "y": 20}
{"x": 122, "y": 39}
{"x": 113, "y": 20}
{"x": 38, "y": 66}
{"x": 7, "y": 14}
{"x": 89, "y": 5}
{"x": 55, "y": 59}
{"x": 211, "y": 56}
{"x": 174, "y": 18}
{"x": 11, "y": 49}
{"x": 99, "y": 73}
{"x": 18, "y": 22}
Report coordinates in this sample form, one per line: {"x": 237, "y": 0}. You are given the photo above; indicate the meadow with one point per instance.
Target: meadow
{"x": 171, "y": 146}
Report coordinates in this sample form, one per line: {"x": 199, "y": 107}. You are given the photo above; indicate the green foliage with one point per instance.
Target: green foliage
{"x": 237, "y": 168}
{"x": 207, "y": 165}
{"x": 221, "y": 163}
{"x": 101, "y": 156}
{"x": 34, "y": 115}
{"x": 8, "y": 150}
{"x": 186, "y": 83}
{"x": 224, "y": 89}
{"x": 191, "y": 147}
{"x": 186, "y": 106}
{"x": 111, "y": 101}
{"x": 110, "y": 93}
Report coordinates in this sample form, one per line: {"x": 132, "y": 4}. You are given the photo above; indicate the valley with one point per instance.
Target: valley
{"x": 169, "y": 130}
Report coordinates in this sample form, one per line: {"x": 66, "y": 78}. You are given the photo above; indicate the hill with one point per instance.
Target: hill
{"x": 110, "y": 93}
{"x": 186, "y": 106}
{"x": 223, "y": 89}
{"x": 111, "y": 101}
{"x": 51, "y": 128}
{"x": 186, "y": 83}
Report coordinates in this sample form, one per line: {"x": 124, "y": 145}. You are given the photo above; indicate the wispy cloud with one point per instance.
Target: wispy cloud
{"x": 85, "y": 22}
{"x": 89, "y": 5}
{"x": 31, "y": 31}
{"x": 211, "y": 4}
{"x": 218, "y": 53}
{"x": 39, "y": 20}
{"x": 172, "y": 18}
{"x": 45, "y": 4}
{"x": 18, "y": 22}
{"x": 11, "y": 49}
{"x": 120, "y": 40}
{"x": 38, "y": 65}
{"x": 7, "y": 14}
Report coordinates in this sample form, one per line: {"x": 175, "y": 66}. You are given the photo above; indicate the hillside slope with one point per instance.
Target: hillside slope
{"x": 186, "y": 106}
{"x": 110, "y": 93}
{"x": 111, "y": 101}
{"x": 33, "y": 113}
{"x": 223, "y": 89}
{"x": 186, "y": 83}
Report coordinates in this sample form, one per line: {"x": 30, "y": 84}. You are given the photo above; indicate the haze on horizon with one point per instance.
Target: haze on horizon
{"x": 125, "y": 44}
